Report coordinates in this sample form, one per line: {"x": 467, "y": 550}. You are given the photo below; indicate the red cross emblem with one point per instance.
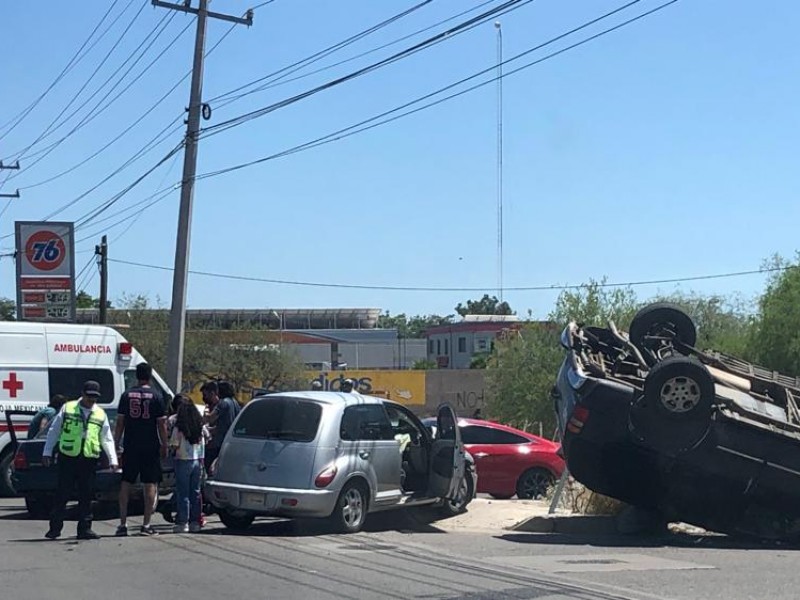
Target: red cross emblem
{"x": 12, "y": 385}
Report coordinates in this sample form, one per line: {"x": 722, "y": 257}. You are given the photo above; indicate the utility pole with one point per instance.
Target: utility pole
{"x": 14, "y": 167}
{"x": 177, "y": 318}
{"x": 102, "y": 260}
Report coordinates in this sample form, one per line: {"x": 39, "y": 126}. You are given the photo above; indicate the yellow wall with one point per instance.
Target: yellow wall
{"x": 403, "y": 387}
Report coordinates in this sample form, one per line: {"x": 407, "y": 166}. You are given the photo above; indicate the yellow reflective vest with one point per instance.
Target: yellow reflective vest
{"x": 79, "y": 436}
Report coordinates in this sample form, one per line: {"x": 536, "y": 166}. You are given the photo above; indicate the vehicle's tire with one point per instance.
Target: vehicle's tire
{"x": 39, "y": 507}
{"x": 662, "y": 319}
{"x": 351, "y": 508}
{"x": 6, "y": 486}
{"x": 502, "y": 496}
{"x": 466, "y": 491}
{"x": 236, "y": 520}
{"x": 680, "y": 387}
{"x": 534, "y": 483}
{"x": 674, "y": 412}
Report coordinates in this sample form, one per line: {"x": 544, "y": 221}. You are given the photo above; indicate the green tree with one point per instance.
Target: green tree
{"x": 8, "y": 310}
{"x": 85, "y": 300}
{"x": 488, "y": 305}
{"x": 775, "y": 337}
{"x": 520, "y": 374}
{"x": 595, "y": 304}
{"x": 413, "y": 326}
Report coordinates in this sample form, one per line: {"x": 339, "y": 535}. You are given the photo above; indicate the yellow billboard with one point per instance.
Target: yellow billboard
{"x": 403, "y": 387}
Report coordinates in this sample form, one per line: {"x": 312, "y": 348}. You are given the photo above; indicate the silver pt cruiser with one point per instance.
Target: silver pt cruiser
{"x": 337, "y": 456}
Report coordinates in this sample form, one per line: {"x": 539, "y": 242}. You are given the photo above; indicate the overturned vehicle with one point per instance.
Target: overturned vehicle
{"x": 696, "y": 436}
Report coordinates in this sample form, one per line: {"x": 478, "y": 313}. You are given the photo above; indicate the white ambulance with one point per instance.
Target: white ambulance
{"x": 40, "y": 360}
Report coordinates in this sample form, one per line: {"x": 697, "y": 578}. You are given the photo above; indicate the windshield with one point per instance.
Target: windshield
{"x": 279, "y": 419}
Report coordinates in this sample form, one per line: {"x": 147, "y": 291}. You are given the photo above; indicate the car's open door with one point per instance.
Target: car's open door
{"x": 447, "y": 458}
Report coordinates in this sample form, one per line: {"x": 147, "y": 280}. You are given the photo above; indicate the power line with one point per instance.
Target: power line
{"x": 462, "y": 27}
{"x": 398, "y": 288}
{"x": 283, "y": 81}
{"x": 376, "y": 121}
{"x": 288, "y": 70}
{"x": 97, "y": 110}
{"x": 76, "y": 58}
{"x": 135, "y": 123}
{"x": 52, "y": 127}
{"x": 93, "y": 214}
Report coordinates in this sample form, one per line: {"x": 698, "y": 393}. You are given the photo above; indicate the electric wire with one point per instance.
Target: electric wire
{"x": 280, "y": 81}
{"x": 135, "y": 123}
{"x": 76, "y": 58}
{"x": 97, "y": 110}
{"x": 292, "y": 68}
{"x": 462, "y": 27}
{"x": 375, "y": 121}
{"x": 400, "y": 288}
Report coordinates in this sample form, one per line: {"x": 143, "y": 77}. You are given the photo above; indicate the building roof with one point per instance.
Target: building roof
{"x": 277, "y": 318}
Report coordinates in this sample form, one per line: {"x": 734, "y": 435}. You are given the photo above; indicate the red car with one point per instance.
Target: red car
{"x": 510, "y": 461}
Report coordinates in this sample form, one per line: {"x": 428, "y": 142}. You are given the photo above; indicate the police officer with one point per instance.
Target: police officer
{"x": 348, "y": 386}
{"x": 81, "y": 430}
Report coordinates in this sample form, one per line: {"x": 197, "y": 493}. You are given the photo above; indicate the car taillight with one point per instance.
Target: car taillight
{"x": 325, "y": 477}
{"x": 20, "y": 461}
{"x": 578, "y": 419}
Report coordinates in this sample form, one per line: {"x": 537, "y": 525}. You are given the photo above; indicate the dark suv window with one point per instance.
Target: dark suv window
{"x": 475, "y": 434}
{"x": 366, "y": 422}
{"x": 69, "y": 383}
{"x": 279, "y": 419}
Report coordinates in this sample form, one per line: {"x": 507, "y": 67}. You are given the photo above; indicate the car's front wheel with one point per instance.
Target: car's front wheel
{"x": 534, "y": 484}
{"x": 458, "y": 505}
{"x": 236, "y": 520}
{"x": 351, "y": 508}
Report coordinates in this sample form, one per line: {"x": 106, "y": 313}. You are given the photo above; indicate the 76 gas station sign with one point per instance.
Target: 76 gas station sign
{"x": 45, "y": 271}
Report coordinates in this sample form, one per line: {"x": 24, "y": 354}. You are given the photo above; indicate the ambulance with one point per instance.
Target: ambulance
{"x": 40, "y": 360}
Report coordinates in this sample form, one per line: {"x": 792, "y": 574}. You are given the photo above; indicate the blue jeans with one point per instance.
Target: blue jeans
{"x": 187, "y": 488}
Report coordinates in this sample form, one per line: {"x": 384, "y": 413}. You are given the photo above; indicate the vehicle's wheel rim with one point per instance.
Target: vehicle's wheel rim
{"x": 680, "y": 394}
{"x": 536, "y": 485}
{"x": 352, "y": 507}
{"x": 461, "y": 496}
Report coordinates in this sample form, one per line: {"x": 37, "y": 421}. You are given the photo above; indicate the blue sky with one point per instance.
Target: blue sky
{"x": 663, "y": 150}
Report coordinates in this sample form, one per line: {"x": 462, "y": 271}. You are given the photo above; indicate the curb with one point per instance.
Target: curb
{"x": 570, "y": 524}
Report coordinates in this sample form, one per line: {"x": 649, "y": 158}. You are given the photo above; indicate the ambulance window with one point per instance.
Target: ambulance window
{"x": 69, "y": 382}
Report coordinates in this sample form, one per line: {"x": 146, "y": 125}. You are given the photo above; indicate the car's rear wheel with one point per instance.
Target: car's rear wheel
{"x": 235, "y": 519}
{"x": 662, "y": 320}
{"x": 534, "y": 483}
{"x": 673, "y": 413}
{"x": 38, "y": 506}
{"x": 351, "y": 508}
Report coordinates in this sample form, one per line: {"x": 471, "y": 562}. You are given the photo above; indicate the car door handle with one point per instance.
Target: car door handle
{"x": 364, "y": 454}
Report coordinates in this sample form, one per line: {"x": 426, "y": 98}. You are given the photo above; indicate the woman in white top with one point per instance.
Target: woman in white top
{"x": 188, "y": 443}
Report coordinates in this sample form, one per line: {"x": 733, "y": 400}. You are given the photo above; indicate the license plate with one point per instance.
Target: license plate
{"x": 254, "y": 500}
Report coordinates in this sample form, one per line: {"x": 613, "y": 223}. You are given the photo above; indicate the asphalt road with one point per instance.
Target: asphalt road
{"x": 399, "y": 557}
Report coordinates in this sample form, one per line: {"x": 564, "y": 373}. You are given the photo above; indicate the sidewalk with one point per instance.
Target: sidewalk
{"x": 485, "y": 514}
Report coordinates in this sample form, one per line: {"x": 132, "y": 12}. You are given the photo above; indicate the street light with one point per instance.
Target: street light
{"x": 280, "y": 324}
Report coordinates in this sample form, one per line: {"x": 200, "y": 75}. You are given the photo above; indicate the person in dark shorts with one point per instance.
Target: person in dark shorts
{"x": 142, "y": 420}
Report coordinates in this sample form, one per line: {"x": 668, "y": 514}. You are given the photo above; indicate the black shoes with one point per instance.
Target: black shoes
{"x": 88, "y": 535}
{"x": 52, "y": 534}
